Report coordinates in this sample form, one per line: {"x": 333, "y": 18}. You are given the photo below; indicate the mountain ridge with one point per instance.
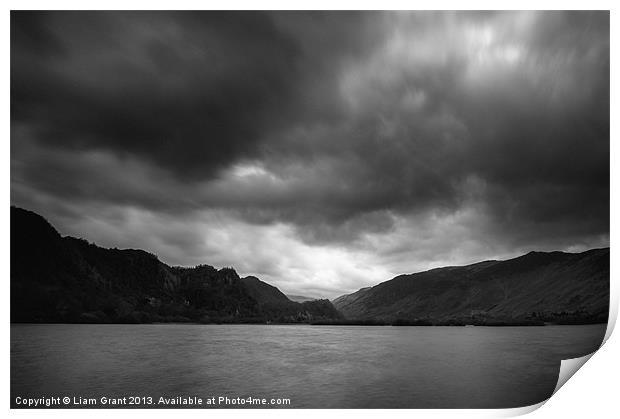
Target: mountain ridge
{"x": 534, "y": 288}
{"x": 58, "y": 278}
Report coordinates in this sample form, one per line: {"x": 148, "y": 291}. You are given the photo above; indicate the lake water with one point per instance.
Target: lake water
{"x": 313, "y": 366}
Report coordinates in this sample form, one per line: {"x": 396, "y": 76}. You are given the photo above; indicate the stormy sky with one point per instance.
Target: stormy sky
{"x": 320, "y": 151}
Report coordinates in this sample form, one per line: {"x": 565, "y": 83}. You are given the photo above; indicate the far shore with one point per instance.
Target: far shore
{"x": 342, "y": 323}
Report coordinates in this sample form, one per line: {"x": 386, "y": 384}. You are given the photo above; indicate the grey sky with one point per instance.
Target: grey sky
{"x": 321, "y": 152}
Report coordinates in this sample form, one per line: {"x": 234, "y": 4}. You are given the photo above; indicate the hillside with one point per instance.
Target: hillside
{"x": 64, "y": 279}
{"x": 532, "y": 289}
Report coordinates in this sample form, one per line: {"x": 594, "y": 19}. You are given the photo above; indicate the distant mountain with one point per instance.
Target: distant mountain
{"x": 535, "y": 288}
{"x": 300, "y": 298}
{"x": 64, "y": 279}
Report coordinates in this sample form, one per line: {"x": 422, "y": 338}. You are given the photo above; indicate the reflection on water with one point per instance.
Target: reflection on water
{"x": 314, "y": 366}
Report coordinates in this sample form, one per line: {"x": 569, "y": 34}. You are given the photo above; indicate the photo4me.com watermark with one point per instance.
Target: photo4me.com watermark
{"x": 148, "y": 401}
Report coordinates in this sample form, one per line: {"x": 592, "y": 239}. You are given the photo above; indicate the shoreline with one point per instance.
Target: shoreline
{"x": 324, "y": 324}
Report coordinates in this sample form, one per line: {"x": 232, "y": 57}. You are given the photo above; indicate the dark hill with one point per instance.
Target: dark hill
{"x": 64, "y": 279}
{"x": 534, "y": 288}
{"x": 263, "y": 292}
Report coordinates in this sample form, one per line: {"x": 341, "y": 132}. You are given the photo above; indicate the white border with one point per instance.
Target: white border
{"x": 591, "y": 394}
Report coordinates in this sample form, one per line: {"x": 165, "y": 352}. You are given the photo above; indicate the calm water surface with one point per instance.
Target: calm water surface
{"x": 314, "y": 366}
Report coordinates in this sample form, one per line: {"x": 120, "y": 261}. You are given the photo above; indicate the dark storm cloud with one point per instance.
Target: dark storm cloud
{"x": 489, "y": 130}
{"x": 189, "y": 92}
{"x": 518, "y": 104}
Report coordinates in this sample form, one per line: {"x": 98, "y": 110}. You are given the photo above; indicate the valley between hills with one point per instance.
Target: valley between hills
{"x": 62, "y": 279}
